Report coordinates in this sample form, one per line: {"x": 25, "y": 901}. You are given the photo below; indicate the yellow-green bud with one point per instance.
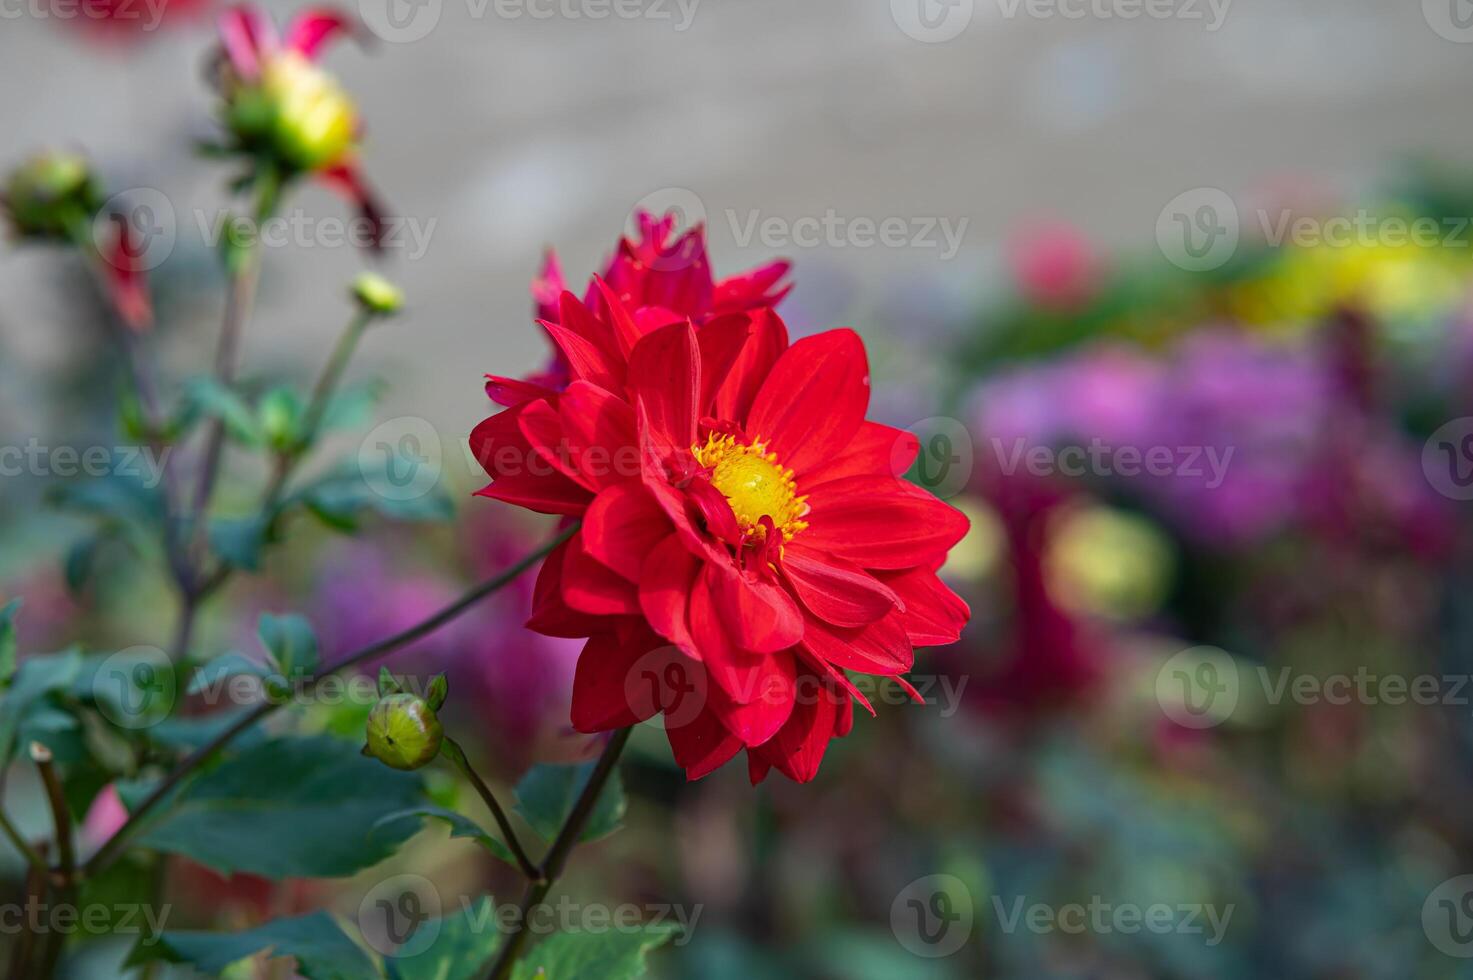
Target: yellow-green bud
{"x": 377, "y": 295}
{"x": 403, "y": 732}
{"x": 46, "y": 196}
{"x": 314, "y": 122}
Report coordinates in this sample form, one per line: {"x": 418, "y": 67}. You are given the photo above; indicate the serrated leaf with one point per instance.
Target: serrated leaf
{"x": 291, "y": 642}
{"x": 464, "y": 943}
{"x": 290, "y": 808}
{"x": 614, "y": 955}
{"x": 321, "y": 948}
{"x": 36, "y": 679}
{"x": 212, "y": 399}
{"x": 547, "y": 794}
{"x": 7, "y": 640}
{"x": 460, "y": 826}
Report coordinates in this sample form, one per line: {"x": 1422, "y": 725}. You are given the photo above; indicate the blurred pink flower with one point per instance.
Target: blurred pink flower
{"x": 1055, "y": 266}
{"x": 104, "y": 818}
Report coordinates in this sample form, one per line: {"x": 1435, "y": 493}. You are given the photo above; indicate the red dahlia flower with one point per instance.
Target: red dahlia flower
{"x": 745, "y": 539}
{"x": 659, "y": 279}
{"x": 285, "y": 111}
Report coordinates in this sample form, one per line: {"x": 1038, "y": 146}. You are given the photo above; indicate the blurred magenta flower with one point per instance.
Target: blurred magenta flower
{"x": 1055, "y": 266}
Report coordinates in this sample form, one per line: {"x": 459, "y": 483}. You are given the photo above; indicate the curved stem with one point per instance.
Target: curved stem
{"x": 115, "y": 846}
{"x": 557, "y": 857}
{"x": 33, "y": 857}
{"x": 452, "y": 751}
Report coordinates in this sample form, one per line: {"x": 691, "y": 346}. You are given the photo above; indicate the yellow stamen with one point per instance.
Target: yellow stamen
{"x": 755, "y": 485}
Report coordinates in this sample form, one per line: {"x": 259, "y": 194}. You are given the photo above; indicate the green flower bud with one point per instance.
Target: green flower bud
{"x": 279, "y": 412}
{"x": 48, "y": 195}
{"x": 377, "y": 295}
{"x": 403, "y": 732}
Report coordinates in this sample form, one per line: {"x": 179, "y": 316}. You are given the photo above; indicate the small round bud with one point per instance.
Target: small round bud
{"x": 377, "y": 295}
{"x": 50, "y": 194}
{"x": 403, "y": 732}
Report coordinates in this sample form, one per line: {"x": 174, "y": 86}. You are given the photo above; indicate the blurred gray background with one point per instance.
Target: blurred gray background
{"x": 501, "y": 127}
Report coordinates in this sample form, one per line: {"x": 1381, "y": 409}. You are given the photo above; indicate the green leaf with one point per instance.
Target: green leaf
{"x": 352, "y": 406}
{"x": 546, "y": 796}
{"x": 209, "y": 397}
{"x": 340, "y": 499}
{"x": 460, "y": 826}
{"x": 7, "y": 640}
{"x": 239, "y": 540}
{"x": 462, "y": 948}
{"x": 290, "y": 808}
{"x": 80, "y": 560}
{"x": 29, "y": 691}
{"x": 321, "y": 948}
{"x": 196, "y": 731}
{"x": 114, "y": 497}
{"x": 615, "y": 955}
{"x": 222, "y": 668}
{"x": 291, "y": 642}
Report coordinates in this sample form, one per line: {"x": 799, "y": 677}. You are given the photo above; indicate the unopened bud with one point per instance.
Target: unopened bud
{"x": 404, "y": 732}
{"x": 51, "y": 194}
{"x": 377, "y": 295}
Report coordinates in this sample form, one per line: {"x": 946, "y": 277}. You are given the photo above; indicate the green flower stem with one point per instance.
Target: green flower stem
{"x": 285, "y": 462}
{"x": 452, "y": 751}
{"x": 557, "y": 857}
{"x": 33, "y": 857}
{"x": 109, "y": 852}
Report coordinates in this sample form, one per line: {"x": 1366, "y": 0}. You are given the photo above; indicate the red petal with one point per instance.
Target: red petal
{"x": 512, "y": 392}
{"x": 600, "y": 433}
{"x": 757, "y": 614}
{"x": 702, "y": 745}
{"x": 551, "y": 616}
{"x": 586, "y": 360}
{"x": 314, "y": 27}
{"x": 880, "y": 648}
{"x": 934, "y": 615}
{"x": 880, "y": 522}
{"x": 768, "y": 340}
{"x": 622, "y": 526}
{"x": 247, "y": 35}
{"x": 813, "y": 402}
{"x": 592, "y": 587}
{"x": 666, "y": 578}
{"x": 875, "y": 450}
{"x": 500, "y": 446}
{"x": 600, "y": 690}
{"x": 543, "y": 428}
{"x": 835, "y": 590}
{"x": 346, "y": 180}
{"x": 798, "y": 749}
{"x": 626, "y": 332}
{"x": 665, "y": 376}
{"x": 758, "y": 719}
{"x": 751, "y": 289}
{"x": 722, "y": 341}
{"x": 548, "y": 287}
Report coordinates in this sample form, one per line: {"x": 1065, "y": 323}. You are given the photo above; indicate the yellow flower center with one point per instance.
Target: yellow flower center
{"x": 754, "y": 484}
